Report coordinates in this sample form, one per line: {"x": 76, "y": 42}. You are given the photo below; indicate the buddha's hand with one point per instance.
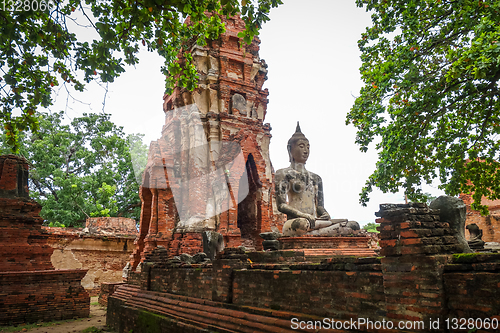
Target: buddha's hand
{"x": 311, "y": 219}
{"x": 324, "y": 216}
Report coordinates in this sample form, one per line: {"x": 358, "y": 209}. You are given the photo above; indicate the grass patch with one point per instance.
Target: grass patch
{"x": 464, "y": 258}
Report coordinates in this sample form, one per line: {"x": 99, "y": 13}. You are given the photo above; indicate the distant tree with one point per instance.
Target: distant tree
{"x": 371, "y": 227}
{"x": 40, "y": 47}
{"x": 428, "y": 198}
{"x": 431, "y": 71}
{"x": 83, "y": 169}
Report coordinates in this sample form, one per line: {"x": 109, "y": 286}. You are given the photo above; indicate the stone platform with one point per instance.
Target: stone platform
{"x": 315, "y": 247}
{"x": 166, "y": 312}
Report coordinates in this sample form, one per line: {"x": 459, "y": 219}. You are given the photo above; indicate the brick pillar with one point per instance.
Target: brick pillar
{"x": 150, "y": 240}
{"x": 414, "y": 241}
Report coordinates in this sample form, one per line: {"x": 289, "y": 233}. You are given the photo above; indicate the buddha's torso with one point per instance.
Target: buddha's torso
{"x": 302, "y": 190}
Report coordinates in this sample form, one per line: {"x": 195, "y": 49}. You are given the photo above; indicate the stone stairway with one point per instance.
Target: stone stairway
{"x": 320, "y": 254}
{"x": 188, "y": 314}
{"x": 318, "y": 248}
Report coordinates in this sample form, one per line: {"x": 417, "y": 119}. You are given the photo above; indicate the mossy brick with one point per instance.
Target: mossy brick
{"x": 432, "y": 241}
{"x": 429, "y": 225}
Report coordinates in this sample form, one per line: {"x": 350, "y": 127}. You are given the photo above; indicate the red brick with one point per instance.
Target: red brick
{"x": 411, "y": 241}
{"x": 409, "y": 234}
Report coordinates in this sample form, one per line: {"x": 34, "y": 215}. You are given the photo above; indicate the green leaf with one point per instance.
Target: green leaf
{"x": 430, "y": 97}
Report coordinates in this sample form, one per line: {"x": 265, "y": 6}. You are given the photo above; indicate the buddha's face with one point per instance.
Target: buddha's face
{"x": 300, "y": 151}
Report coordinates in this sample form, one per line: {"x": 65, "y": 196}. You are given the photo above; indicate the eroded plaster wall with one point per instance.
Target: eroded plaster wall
{"x": 103, "y": 255}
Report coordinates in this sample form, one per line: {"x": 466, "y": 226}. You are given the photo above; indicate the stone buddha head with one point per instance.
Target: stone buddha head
{"x": 298, "y": 147}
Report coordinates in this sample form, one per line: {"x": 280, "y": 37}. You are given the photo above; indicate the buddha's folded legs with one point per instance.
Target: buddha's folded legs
{"x": 296, "y": 227}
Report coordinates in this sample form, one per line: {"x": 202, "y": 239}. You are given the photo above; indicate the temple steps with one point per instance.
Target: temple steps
{"x": 318, "y": 248}
{"x": 359, "y": 252}
{"x": 199, "y": 314}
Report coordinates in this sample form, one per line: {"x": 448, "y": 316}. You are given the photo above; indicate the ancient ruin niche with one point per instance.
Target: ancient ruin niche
{"x": 238, "y": 105}
{"x": 168, "y": 107}
{"x": 249, "y": 196}
{"x": 235, "y": 70}
{"x": 13, "y": 177}
{"x": 233, "y": 42}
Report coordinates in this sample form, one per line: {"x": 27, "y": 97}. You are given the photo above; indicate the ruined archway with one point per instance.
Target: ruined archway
{"x": 146, "y": 198}
{"x": 249, "y": 208}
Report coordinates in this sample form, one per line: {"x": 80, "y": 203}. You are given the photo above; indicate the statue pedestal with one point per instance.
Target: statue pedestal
{"x": 317, "y": 246}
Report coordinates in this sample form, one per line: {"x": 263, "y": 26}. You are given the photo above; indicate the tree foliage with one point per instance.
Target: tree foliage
{"x": 371, "y": 227}
{"x": 431, "y": 95}
{"x": 40, "y": 48}
{"x": 83, "y": 169}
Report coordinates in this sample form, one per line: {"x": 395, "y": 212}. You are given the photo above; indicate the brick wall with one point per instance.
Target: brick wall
{"x": 23, "y": 246}
{"x": 188, "y": 242}
{"x": 472, "y": 286}
{"x": 29, "y": 297}
{"x": 114, "y": 225}
{"x": 341, "y": 288}
{"x": 418, "y": 279}
{"x": 417, "y": 248}
{"x": 190, "y": 281}
{"x": 102, "y": 256}
{"x": 106, "y": 290}
{"x": 409, "y": 237}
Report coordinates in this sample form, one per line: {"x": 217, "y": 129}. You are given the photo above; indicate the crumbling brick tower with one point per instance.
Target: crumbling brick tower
{"x": 31, "y": 290}
{"x": 211, "y": 170}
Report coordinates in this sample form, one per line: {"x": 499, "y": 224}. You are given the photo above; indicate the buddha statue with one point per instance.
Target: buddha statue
{"x": 299, "y": 195}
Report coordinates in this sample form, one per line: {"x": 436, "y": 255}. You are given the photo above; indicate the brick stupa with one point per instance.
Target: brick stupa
{"x": 31, "y": 289}
{"x": 23, "y": 247}
{"x": 210, "y": 170}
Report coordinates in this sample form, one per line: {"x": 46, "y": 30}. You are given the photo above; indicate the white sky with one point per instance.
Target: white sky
{"x": 313, "y": 58}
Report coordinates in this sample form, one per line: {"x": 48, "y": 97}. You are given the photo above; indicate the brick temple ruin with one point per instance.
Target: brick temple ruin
{"x": 211, "y": 170}
{"x": 31, "y": 289}
{"x": 216, "y": 136}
